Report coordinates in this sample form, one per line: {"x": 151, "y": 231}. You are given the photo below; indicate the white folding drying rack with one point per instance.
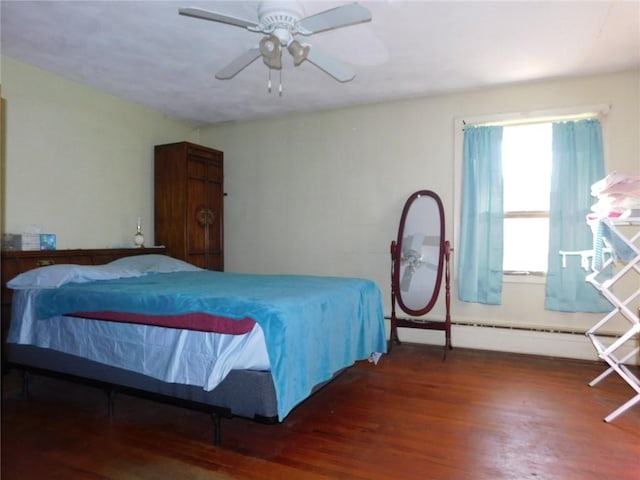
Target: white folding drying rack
{"x": 610, "y": 348}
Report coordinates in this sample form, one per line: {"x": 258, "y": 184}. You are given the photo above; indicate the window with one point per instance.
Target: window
{"x": 526, "y": 173}
{"x": 515, "y": 209}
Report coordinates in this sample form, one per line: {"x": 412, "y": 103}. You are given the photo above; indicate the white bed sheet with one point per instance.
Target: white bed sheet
{"x": 172, "y": 355}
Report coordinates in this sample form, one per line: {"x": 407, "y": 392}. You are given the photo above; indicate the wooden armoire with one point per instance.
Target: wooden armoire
{"x": 189, "y": 203}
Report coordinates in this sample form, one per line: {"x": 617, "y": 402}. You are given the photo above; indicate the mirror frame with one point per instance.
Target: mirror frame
{"x": 396, "y": 253}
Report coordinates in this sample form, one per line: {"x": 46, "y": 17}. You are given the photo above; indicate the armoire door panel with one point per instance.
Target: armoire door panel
{"x": 196, "y": 168}
{"x": 215, "y": 233}
{"x": 196, "y": 216}
{"x": 214, "y": 172}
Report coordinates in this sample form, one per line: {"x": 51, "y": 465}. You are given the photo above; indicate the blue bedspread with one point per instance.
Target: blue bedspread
{"x": 313, "y": 326}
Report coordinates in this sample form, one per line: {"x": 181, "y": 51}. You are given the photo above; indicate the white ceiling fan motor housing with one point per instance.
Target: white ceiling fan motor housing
{"x": 280, "y": 18}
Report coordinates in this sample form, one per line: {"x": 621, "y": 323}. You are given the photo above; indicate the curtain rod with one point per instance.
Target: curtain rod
{"x": 542, "y": 116}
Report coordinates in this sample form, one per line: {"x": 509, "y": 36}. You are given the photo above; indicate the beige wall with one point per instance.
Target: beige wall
{"x": 316, "y": 193}
{"x": 79, "y": 163}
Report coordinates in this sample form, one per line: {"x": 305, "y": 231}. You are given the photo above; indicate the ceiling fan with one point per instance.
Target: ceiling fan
{"x": 280, "y": 22}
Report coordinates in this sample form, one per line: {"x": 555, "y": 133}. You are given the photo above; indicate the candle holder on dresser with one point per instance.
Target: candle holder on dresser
{"x": 138, "y": 238}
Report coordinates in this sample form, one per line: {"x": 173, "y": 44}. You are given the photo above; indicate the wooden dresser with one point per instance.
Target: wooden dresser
{"x": 189, "y": 203}
{"x": 15, "y": 262}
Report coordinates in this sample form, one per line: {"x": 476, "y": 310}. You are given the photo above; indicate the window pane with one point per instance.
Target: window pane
{"x": 526, "y": 166}
{"x": 526, "y": 244}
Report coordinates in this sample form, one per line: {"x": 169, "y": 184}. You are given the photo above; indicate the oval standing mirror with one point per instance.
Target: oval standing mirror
{"x": 418, "y": 258}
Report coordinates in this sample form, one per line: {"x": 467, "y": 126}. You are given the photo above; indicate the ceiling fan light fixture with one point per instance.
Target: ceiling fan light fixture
{"x": 271, "y": 51}
{"x": 298, "y": 51}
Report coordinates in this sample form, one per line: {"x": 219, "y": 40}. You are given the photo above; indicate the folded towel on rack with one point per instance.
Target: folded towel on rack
{"x": 616, "y": 193}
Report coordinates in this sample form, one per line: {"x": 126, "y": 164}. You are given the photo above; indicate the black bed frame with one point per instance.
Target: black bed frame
{"x": 244, "y": 393}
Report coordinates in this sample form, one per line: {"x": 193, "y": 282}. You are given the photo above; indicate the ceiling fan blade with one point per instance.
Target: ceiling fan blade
{"x": 405, "y": 281}
{"x": 331, "y": 65}
{"x": 216, "y": 17}
{"x": 338, "y": 17}
{"x": 239, "y": 64}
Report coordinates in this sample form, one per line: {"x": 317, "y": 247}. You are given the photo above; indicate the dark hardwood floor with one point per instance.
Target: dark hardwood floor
{"x": 478, "y": 415}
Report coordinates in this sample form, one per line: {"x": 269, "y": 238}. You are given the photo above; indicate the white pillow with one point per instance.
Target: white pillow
{"x": 56, "y": 275}
{"x": 155, "y": 263}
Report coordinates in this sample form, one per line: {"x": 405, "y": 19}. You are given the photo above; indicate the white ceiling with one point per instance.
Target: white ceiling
{"x": 144, "y": 52}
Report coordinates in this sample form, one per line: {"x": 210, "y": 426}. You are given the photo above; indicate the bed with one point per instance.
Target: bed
{"x": 231, "y": 344}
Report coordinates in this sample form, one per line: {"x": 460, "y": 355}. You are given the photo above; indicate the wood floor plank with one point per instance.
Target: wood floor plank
{"x": 478, "y": 415}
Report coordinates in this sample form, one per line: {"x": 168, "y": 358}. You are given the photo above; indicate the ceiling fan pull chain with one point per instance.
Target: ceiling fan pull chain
{"x": 280, "y": 86}
{"x": 269, "y": 82}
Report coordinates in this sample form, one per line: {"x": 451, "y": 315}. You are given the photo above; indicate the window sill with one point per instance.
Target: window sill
{"x": 535, "y": 279}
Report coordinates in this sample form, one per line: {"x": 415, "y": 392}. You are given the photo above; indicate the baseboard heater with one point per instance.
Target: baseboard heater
{"x": 529, "y": 328}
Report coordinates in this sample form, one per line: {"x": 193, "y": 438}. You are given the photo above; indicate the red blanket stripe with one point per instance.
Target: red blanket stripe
{"x": 189, "y": 321}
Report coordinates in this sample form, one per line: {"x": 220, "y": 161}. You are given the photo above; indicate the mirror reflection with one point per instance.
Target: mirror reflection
{"x": 420, "y": 253}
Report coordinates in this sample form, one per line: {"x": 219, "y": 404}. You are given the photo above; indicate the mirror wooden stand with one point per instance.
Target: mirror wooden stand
{"x": 420, "y": 257}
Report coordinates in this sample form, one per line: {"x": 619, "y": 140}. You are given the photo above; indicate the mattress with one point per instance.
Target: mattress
{"x": 313, "y": 326}
{"x": 187, "y": 357}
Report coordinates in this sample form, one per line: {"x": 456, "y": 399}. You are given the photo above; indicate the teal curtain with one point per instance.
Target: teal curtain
{"x": 578, "y": 163}
{"x": 481, "y": 226}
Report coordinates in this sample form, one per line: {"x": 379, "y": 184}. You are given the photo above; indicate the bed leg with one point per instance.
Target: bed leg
{"x": 111, "y": 395}
{"x": 217, "y": 429}
{"x": 25, "y": 384}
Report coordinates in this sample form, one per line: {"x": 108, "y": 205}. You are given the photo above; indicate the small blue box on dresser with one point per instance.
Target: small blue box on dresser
{"x": 47, "y": 241}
